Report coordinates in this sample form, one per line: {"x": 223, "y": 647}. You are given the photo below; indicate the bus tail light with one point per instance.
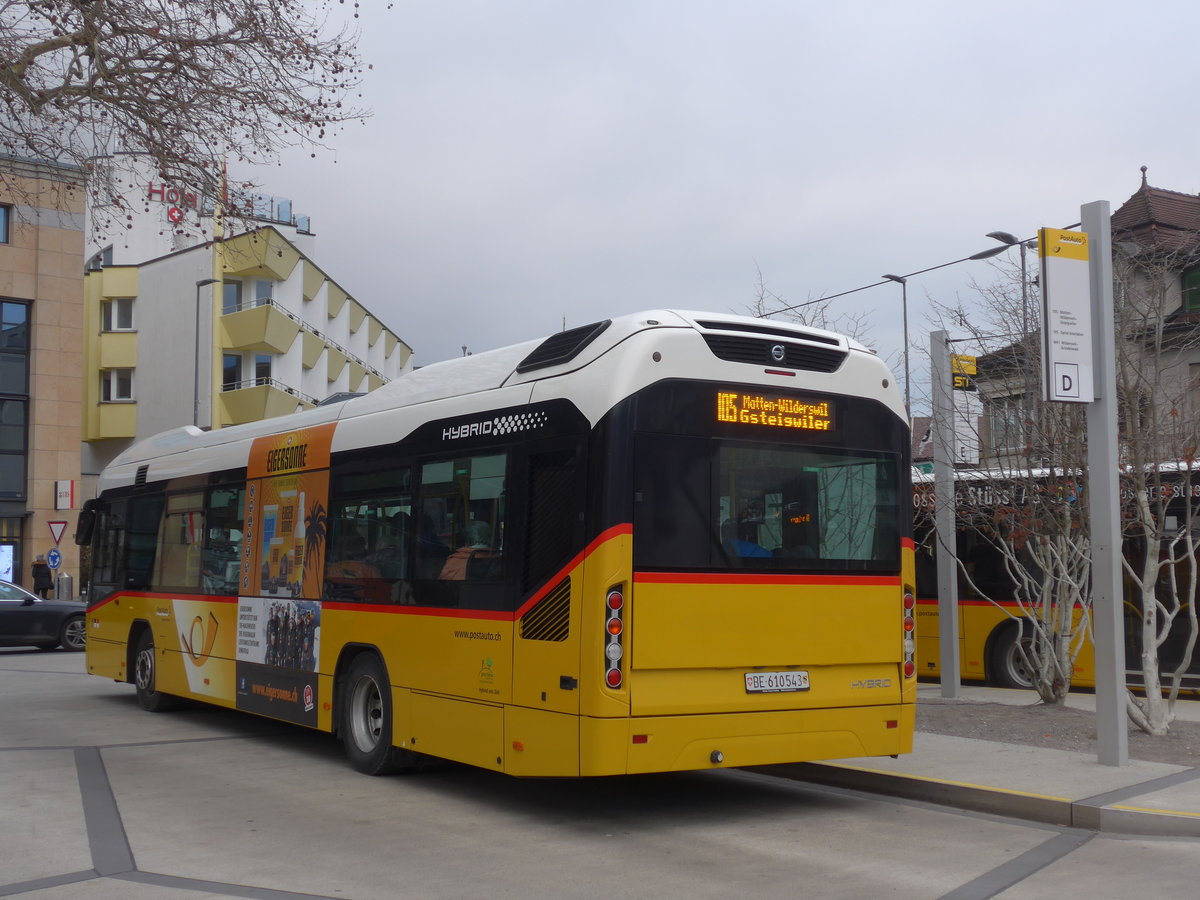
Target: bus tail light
{"x": 908, "y": 635}
{"x": 614, "y": 626}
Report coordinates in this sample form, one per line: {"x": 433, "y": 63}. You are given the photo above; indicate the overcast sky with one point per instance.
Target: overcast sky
{"x": 530, "y": 163}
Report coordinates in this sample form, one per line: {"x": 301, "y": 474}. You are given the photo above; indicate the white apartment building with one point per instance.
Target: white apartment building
{"x": 192, "y": 321}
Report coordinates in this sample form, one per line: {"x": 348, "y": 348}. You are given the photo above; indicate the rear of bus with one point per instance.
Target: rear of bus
{"x": 767, "y": 615}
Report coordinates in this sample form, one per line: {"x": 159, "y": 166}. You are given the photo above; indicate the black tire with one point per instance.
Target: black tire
{"x": 145, "y": 676}
{"x": 366, "y": 719}
{"x": 73, "y": 634}
{"x": 1005, "y": 667}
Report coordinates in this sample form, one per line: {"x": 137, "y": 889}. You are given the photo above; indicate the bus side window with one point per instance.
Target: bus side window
{"x": 460, "y": 541}
{"x": 224, "y": 514}
{"x": 141, "y": 540}
{"x": 370, "y": 534}
{"x": 552, "y": 514}
{"x": 179, "y": 541}
{"x": 108, "y": 549}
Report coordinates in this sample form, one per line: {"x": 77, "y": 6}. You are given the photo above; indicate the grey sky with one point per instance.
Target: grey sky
{"x": 530, "y": 161}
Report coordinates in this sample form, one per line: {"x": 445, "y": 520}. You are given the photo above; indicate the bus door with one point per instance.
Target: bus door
{"x": 545, "y": 704}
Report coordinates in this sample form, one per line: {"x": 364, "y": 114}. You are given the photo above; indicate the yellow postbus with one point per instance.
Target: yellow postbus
{"x": 664, "y": 541}
{"x": 989, "y": 614}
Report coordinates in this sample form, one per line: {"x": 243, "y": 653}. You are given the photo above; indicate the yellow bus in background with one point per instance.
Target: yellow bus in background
{"x": 664, "y": 541}
{"x": 988, "y": 614}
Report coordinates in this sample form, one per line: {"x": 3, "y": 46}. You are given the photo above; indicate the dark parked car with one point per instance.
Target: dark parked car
{"x": 28, "y": 620}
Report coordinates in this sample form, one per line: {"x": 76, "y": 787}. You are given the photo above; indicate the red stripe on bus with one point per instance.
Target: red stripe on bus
{"x": 719, "y": 578}
{"x": 146, "y": 595}
{"x": 438, "y": 611}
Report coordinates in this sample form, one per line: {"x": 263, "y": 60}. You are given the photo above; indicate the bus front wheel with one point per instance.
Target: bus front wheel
{"x": 1008, "y": 668}
{"x": 366, "y": 725}
{"x": 145, "y": 676}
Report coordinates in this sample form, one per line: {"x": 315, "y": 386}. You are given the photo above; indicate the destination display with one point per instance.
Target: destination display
{"x": 768, "y": 411}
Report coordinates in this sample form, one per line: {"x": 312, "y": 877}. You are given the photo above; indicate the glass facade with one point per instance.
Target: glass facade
{"x": 14, "y": 397}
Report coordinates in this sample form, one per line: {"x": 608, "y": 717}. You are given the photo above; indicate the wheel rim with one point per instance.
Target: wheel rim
{"x": 366, "y": 714}
{"x": 1016, "y": 666}
{"x": 143, "y": 669}
{"x": 75, "y": 634}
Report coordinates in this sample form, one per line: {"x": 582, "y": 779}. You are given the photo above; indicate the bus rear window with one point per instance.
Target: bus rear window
{"x": 702, "y": 503}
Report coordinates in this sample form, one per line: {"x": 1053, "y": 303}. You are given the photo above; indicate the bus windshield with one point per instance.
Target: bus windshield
{"x": 704, "y": 503}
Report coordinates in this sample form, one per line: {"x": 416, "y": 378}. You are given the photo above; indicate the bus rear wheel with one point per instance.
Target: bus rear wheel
{"x": 145, "y": 676}
{"x": 366, "y": 725}
{"x": 1008, "y": 669}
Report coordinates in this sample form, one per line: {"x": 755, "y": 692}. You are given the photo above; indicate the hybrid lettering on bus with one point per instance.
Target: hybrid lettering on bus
{"x": 664, "y": 541}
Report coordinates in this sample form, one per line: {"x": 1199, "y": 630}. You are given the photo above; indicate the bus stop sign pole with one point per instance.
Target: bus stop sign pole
{"x": 943, "y": 498}
{"x": 1112, "y": 738}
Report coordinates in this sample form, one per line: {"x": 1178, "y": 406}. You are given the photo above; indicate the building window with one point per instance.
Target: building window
{"x": 5, "y": 215}
{"x": 1191, "y": 290}
{"x": 117, "y": 315}
{"x": 14, "y": 397}
{"x": 1005, "y": 419}
{"x": 14, "y": 349}
{"x": 231, "y": 299}
{"x": 116, "y": 385}
{"x": 262, "y": 368}
{"x": 231, "y": 378}
{"x": 264, "y": 290}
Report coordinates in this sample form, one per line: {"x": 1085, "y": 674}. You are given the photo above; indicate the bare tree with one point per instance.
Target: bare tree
{"x": 814, "y": 313}
{"x": 1031, "y": 505}
{"x": 187, "y": 83}
{"x": 1025, "y": 508}
{"x": 1156, "y": 388}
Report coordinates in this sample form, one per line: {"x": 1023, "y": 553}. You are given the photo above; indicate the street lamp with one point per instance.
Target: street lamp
{"x": 196, "y": 368}
{"x": 903, "y": 282}
{"x": 1005, "y": 238}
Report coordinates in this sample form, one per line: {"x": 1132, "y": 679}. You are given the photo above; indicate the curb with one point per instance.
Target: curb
{"x": 1099, "y": 813}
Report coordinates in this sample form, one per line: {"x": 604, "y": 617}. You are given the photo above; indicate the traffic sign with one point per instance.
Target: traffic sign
{"x": 57, "y": 529}
{"x": 54, "y": 558}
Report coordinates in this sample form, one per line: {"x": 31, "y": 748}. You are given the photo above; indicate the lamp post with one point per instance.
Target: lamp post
{"x": 1010, "y": 240}
{"x": 903, "y": 282}
{"x": 196, "y": 368}
{"x": 1005, "y": 237}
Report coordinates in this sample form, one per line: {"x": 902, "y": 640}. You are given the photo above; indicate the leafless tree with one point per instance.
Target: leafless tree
{"x": 188, "y": 83}
{"x": 1039, "y": 524}
{"x": 1025, "y": 506}
{"x": 1156, "y": 396}
{"x": 814, "y": 313}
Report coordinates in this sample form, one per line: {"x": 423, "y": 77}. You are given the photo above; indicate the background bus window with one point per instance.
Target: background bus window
{"x": 461, "y": 532}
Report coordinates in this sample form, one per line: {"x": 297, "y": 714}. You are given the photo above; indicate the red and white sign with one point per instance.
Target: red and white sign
{"x": 57, "y": 529}
{"x": 64, "y": 495}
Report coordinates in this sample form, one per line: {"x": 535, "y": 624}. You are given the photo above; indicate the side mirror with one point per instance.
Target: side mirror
{"x": 86, "y": 524}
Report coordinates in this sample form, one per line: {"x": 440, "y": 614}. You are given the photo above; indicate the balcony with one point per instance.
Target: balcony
{"x": 263, "y": 254}
{"x": 113, "y": 420}
{"x": 263, "y": 328}
{"x": 259, "y": 398}
{"x": 117, "y": 350}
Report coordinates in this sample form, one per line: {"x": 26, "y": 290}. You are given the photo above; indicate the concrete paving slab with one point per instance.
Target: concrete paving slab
{"x": 1014, "y": 767}
{"x": 1114, "y": 867}
{"x": 42, "y": 829}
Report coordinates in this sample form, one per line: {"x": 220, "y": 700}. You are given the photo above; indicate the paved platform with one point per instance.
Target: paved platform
{"x": 1036, "y": 783}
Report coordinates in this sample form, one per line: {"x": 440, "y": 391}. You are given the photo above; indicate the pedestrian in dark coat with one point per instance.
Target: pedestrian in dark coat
{"x": 42, "y": 581}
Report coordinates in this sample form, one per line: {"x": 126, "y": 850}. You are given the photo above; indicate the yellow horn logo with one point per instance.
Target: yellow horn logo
{"x": 208, "y": 637}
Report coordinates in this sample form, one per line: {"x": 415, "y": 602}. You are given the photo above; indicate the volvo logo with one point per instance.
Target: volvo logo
{"x": 778, "y": 353}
